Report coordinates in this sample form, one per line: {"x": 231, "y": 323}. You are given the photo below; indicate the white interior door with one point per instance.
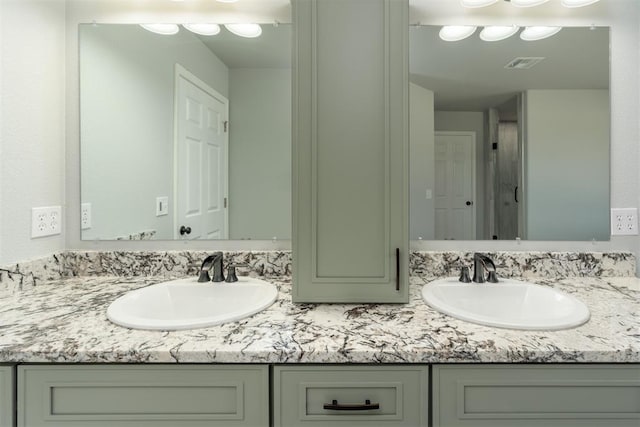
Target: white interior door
{"x": 201, "y": 153}
{"x": 455, "y": 184}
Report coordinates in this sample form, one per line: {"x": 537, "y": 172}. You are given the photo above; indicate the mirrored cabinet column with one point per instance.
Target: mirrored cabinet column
{"x": 350, "y": 151}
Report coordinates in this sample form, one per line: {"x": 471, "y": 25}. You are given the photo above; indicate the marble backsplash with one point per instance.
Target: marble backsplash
{"x": 528, "y": 264}
{"x": 175, "y": 264}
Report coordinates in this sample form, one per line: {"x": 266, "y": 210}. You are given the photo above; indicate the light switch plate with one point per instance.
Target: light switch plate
{"x": 624, "y": 222}
{"x": 162, "y": 205}
{"x": 46, "y": 221}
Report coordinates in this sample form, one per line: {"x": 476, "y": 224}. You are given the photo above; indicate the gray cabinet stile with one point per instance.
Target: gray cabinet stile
{"x": 350, "y": 151}
{"x": 7, "y": 381}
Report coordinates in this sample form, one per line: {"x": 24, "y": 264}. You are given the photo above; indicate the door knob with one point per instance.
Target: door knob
{"x": 185, "y": 230}
{"x": 469, "y": 203}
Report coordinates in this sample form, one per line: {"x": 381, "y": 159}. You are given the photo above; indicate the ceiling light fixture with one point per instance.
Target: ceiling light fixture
{"x": 164, "y": 29}
{"x": 497, "y": 33}
{"x": 578, "y": 3}
{"x": 203, "y": 29}
{"x": 538, "y": 33}
{"x": 454, "y": 33}
{"x": 527, "y": 3}
{"x": 227, "y": 1}
{"x": 478, "y": 3}
{"x": 244, "y": 30}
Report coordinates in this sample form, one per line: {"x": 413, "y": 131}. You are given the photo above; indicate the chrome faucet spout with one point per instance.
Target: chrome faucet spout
{"x": 212, "y": 262}
{"x": 483, "y": 264}
{"x": 218, "y": 267}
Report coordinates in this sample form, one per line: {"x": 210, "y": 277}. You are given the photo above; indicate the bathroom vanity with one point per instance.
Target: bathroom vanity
{"x": 282, "y": 366}
{"x": 357, "y": 363}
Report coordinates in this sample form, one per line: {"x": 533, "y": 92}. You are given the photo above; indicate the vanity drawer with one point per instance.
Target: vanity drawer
{"x": 302, "y": 392}
{"x": 144, "y": 395}
{"x": 538, "y": 395}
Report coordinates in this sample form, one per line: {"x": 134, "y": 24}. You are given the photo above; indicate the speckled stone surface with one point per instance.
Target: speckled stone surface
{"x": 65, "y": 321}
{"x": 169, "y": 264}
{"x": 528, "y": 264}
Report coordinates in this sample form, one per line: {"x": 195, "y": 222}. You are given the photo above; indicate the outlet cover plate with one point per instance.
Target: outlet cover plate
{"x": 624, "y": 222}
{"x": 85, "y": 216}
{"x": 46, "y": 221}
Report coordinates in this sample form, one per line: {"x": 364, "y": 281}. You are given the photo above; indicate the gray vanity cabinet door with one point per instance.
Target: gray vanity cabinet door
{"x": 536, "y": 395}
{"x": 350, "y": 151}
{"x": 143, "y": 396}
{"x": 6, "y": 396}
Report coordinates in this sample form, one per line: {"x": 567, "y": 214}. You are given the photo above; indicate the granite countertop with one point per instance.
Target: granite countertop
{"x": 64, "y": 321}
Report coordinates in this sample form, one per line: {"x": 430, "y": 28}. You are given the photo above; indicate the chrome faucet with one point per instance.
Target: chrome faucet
{"x": 483, "y": 264}
{"x": 212, "y": 261}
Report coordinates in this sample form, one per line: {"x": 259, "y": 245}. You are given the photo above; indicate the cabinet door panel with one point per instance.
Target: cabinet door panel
{"x": 96, "y": 396}
{"x": 545, "y": 395}
{"x": 350, "y": 151}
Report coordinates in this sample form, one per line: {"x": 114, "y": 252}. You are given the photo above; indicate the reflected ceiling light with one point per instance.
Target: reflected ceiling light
{"x": 454, "y": 33}
{"x": 164, "y": 29}
{"x": 497, "y": 33}
{"x": 227, "y": 1}
{"x": 527, "y": 3}
{"x": 478, "y": 3}
{"x": 578, "y": 3}
{"x": 203, "y": 29}
{"x": 538, "y": 33}
{"x": 244, "y": 30}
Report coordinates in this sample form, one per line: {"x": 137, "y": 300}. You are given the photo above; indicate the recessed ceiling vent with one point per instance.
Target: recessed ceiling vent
{"x": 523, "y": 63}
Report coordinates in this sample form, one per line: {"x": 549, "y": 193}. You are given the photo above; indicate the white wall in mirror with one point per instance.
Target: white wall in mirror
{"x": 622, "y": 17}
{"x": 129, "y": 129}
{"x": 547, "y": 178}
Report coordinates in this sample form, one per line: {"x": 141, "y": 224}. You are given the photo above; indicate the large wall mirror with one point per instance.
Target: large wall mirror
{"x": 510, "y": 139}
{"x": 185, "y": 136}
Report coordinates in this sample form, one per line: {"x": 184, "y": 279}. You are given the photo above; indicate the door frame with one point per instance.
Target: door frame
{"x": 473, "y": 135}
{"x": 182, "y": 72}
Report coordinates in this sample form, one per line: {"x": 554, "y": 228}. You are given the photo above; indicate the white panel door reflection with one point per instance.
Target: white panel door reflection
{"x": 455, "y": 186}
{"x": 201, "y": 160}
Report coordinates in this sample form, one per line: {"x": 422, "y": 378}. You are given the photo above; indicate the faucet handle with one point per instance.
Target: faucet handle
{"x": 464, "y": 275}
{"x": 231, "y": 272}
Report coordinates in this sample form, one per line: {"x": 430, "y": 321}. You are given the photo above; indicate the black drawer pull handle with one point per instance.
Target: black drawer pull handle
{"x": 335, "y": 406}
{"x": 397, "y": 269}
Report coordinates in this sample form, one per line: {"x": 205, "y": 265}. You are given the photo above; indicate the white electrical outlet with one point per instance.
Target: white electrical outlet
{"x": 85, "y": 216}
{"x": 46, "y": 221}
{"x": 624, "y": 222}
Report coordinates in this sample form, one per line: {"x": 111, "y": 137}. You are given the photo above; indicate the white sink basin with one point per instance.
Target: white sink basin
{"x": 507, "y": 304}
{"x": 187, "y": 304}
